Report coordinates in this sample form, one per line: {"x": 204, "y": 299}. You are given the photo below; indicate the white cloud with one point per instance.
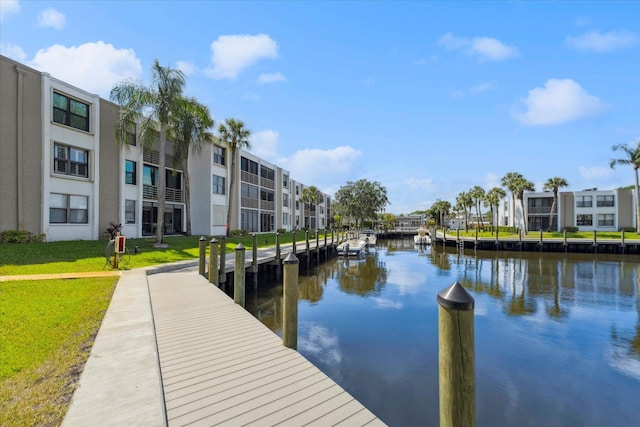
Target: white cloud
{"x": 483, "y": 48}
{"x": 481, "y": 87}
{"x": 188, "y": 68}
{"x": 233, "y": 53}
{"x": 14, "y": 52}
{"x": 492, "y": 180}
{"x": 94, "y": 67}
{"x": 264, "y": 144}
{"x": 51, "y": 18}
{"x": 559, "y": 101}
{"x": 271, "y": 78}
{"x": 594, "y": 173}
{"x": 310, "y": 166}
{"x": 598, "y": 42}
{"x": 7, "y": 7}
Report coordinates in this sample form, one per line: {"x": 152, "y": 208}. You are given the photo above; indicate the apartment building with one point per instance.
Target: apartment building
{"x": 591, "y": 209}
{"x": 63, "y": 174}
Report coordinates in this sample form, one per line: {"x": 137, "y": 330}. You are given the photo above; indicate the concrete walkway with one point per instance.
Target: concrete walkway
{"x": 122, "y": 383}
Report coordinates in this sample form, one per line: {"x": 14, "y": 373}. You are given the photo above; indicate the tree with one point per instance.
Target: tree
{"x": 465, "y": 201}
{"x": 312, "y": 196}
{"x": 554, "y": 184}
{"x": 441, "y": 209}
{"x": 155, "y": 105}
{"x": 492, "y": 198}
{"x": 517, "y": 185}
{"x": 477, "y": 194}
{"x": 189, "y": 128}
{"x": 362, "y": 199}
{"x": 235, "y": 136}
{"x": 631, "y": 158}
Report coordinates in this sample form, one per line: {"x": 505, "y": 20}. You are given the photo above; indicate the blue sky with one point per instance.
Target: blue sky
{"x": 428, "y": 98}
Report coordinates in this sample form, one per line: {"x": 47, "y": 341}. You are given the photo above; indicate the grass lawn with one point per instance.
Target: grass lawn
{"x": 47, "y": 328}
{"x": 90, "y": 255}
{"x": 601, "y": 235}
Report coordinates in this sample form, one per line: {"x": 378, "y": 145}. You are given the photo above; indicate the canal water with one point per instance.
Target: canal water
{"x": 557, "y": 335}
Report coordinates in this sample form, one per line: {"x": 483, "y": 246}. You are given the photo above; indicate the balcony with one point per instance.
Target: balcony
{"x": 172, "y": 195}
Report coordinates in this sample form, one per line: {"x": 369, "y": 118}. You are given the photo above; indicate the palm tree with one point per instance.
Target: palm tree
{"x": 517, "y": 185}
{"x": 465, "y": 200}
{"x": 189, "y": 128}
{"x": 554, "y": 184}
{"x": 632, "y": 158}
{"x": 312, "y": 196}
{"x": 492, "y": 198}
{"x": 477, "y": 194}
{"x": 235, "y": 136}
{"x": 523, "y": 185}
{"x": 155, "y": 105}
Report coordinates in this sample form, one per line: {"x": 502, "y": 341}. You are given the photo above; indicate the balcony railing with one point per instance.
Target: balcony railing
{"x": 249, "y": 177}
{"x": 267, "y": 183}
{"x": 173, "y": 195}
{"x": 248, "y": 202}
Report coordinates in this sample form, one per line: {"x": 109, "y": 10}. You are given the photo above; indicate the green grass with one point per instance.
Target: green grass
{"x": 601, "y": 235}
{"x": 89, "y": 255}
{"x": 47, "y": 328}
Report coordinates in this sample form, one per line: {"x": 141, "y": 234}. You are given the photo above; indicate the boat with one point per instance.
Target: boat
{"x": 351, "y": 247}
{"x": 423, "y": 237}
{"x": 369, "y": 236}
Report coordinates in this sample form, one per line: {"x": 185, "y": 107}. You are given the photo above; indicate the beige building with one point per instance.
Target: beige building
{"x": 63, "y": 174}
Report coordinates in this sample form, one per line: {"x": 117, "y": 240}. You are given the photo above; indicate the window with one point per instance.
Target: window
{"x": 266, "y": 195}
{"x": 267, "y": 173}
{"x": 297, "y": 190}
{"x": 604, "y": 201}
{"x": 249, "y": 220}
{"x": 584, "y": 201}
{"x": 174, "y": 180}
{"x": 70, "y": 112}
{"x": 605, "y": 220}
{"x": 130, "y": 172}
{"x": 248, "y": 165}
{"x": 70, "y": 161}
{"x": 150, "y": 175}
{"x": 285, "y": 200}
{"x": 130, "y": 211}
{"x": 285, "y": 219}
{"x": 218, "y": 184}
{"x": 68, "y": 209}
{"x": 285, "y": 181}
{"x": 250, "y": 191}
{"x": 297, "y": 205}
{"x": 584, "y": 220}
{"x": 218, "y": 155}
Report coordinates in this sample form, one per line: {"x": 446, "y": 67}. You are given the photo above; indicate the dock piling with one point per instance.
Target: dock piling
{"x": 223, "y": 261}
{"x": 238, "y": 278}
{"x": 203, "y": 254}
{"x": 290, "y": 302}
{"x": 213, "y": 261}
{"x": 456, "y": 357}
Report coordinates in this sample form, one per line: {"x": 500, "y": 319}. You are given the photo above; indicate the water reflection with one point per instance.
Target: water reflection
{"x": 557, "y": 335}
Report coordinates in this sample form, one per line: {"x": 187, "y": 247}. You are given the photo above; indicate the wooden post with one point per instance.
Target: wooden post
{"x": 238, "y": 278}
{"x": 595, "y": 240}
{"x": 203, "y": 255}
{"x": 622, "y": 238}
{"x": 290, "y": 302}
{"x": 456, "y": 357}
{"x": 306, "y": 237}
{"x": 213, "y": 261}
{"x": 293, "y": 242}
{"x": 254, "y": 252}
{"x": 223, "y": 260}
{"x": 520, "y": 238}
{"x": 541, "y": 237}
{"x": 564, "y": 237}
{"x": 277, "y": 248}
{"x": 116, "y": 253}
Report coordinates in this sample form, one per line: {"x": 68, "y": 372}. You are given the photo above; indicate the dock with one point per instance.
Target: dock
{"x": 174, "y": 350}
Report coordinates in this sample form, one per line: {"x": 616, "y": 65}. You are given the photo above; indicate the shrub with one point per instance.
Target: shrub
{"x": 16, "y": 236}
{"x": 570, "y": 229}
{"x": 281, "y": 230}
{"x": 112, "y": 230}
{"x": 239, "y": 232}
{"x": 628, "y": 229}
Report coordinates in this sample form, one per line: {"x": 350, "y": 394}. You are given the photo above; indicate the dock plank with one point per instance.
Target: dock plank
{"x": 221, "y": 366}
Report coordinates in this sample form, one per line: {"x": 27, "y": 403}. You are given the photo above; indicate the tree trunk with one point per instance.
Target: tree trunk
{"x": 553, "y": 206}
{"x": 187, "y": 190}
{"x": 232, "y": 182}
{"x": 637, "y": 203}
{"x": 162, "y": 183}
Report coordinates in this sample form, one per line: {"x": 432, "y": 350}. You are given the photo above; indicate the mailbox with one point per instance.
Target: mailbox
{"x": 120, "y": 244}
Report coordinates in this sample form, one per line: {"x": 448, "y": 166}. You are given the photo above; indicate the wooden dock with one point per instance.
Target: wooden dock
{"x": 221, "y": 366}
